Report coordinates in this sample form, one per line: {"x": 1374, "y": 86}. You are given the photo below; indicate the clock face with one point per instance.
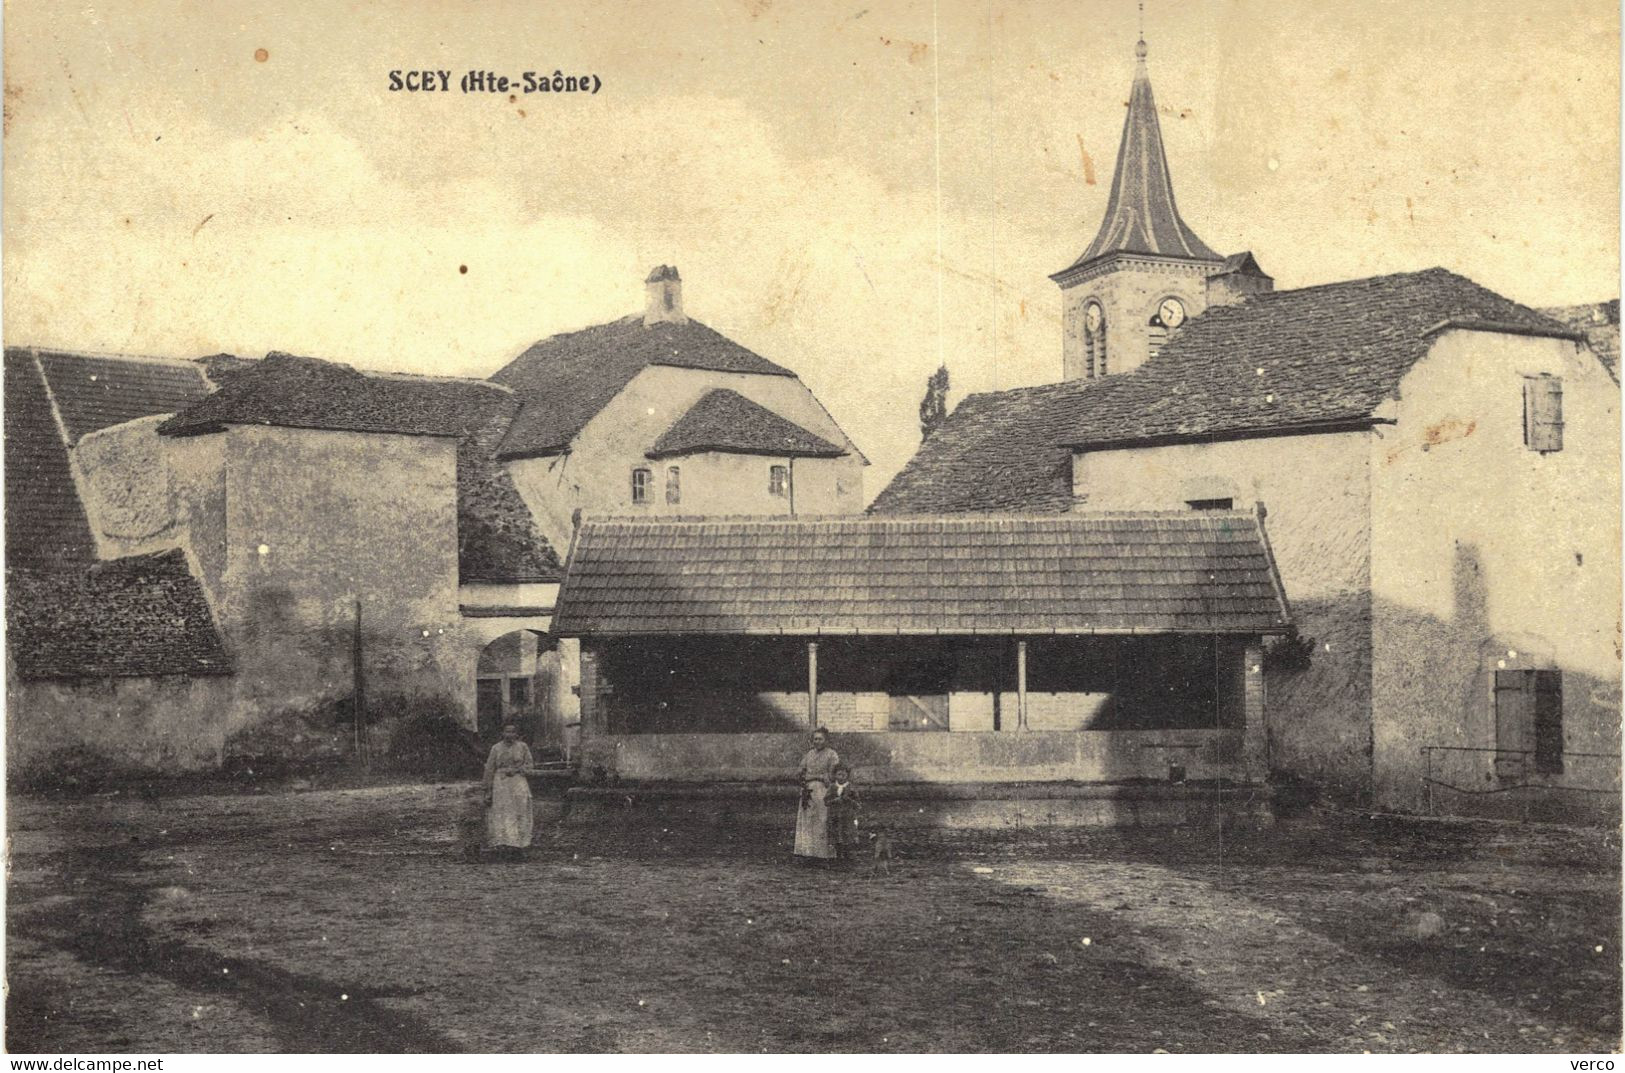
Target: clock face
{"x": 1172, "y": 312}
{"x": 1092, "y": 318}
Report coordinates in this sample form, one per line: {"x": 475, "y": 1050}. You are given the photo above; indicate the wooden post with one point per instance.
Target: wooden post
{"x": 812, "y": 684}
{"x": 358, "y": 691}
{"x": 1254, "y": 736}
{"x": 1021, "y": 685}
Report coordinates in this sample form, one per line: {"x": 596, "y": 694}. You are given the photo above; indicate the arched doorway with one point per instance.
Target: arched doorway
{"x": 518, "y": 681}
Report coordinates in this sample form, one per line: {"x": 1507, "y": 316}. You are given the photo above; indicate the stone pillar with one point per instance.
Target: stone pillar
{"x": 594, "y": 723}
{"x": 1254, "y": 736}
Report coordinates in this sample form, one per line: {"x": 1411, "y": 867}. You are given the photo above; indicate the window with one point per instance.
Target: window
{"x": 674, "y": 485}
{"x": 518, "y": 692}
{"x": 1529, "y": 722}
{"x": 640, "y": 486}
{"x": 1211, "y": 504}
{"x": 1543, "y": 413}
{"x": 778, "y": 481}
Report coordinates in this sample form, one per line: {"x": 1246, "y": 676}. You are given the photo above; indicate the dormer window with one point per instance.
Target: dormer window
{"x": 1543, "y": 413}
{"x": 641, "y": 479}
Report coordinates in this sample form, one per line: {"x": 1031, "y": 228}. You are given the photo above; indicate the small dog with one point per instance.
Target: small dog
{"x": 881, "y": 851}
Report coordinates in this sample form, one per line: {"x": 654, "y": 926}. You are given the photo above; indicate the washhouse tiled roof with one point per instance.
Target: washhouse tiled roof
{"x": 1297, "y": 360}
{"x": 141, "y": 616}
{"x": 564, "y": 381}
{"x": 725, "y": 420}
{"x": 1208, "y": 572}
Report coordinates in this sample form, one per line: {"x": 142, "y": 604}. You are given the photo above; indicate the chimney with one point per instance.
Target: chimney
{"x": 664, "y": 301}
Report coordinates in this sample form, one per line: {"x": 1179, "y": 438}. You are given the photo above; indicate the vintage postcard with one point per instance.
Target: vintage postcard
{"x": 848, "y": 526}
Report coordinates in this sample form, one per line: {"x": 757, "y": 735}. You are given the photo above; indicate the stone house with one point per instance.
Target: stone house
{"x": 658, "y": 415}
{"x": 1440, "y": 470}
{"x": 325, "y": 517}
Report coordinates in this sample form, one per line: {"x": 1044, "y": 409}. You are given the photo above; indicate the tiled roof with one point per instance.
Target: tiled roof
{"x": 217, "y": 367}
{"x": 497, "y": 537}
{"x": 296, "y": 392}
{"x": 725, "y": 420}
{"x": 1141, "y": 216}
{"x": 1292, "y": 359}
{"x": 1318, "y": 357}
{"x": 565, "y": 380}
{"x": 1599, "y": 323}
{"x": 141, "y": 616}
{"x": 45, "y": 523}
{"x": 997, "y": 451}
{"x": 1104, "y": 573}
{"x": 94, "y": 392}
{"x": 1240, "y": 262}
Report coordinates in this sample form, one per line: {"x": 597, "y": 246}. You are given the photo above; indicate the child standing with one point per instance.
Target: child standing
{"x": 843, "y": 805}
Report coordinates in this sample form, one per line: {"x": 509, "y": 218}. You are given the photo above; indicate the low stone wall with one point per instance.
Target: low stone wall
{"x": 752, "y": 809}
{"x": 167, "y": 725}
{"x": 903, "y": 757}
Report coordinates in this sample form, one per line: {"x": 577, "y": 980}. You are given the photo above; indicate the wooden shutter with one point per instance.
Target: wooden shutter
{"x": 1543, "y": 413}
{"x": 1514, "y": 720}
{"x": 1548, "y": 719}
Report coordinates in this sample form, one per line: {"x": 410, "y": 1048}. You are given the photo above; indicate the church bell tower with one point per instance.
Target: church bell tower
{"x": 1146, "y": 272}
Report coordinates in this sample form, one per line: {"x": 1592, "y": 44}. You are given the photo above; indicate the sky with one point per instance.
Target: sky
{"x": 857, "y": 190}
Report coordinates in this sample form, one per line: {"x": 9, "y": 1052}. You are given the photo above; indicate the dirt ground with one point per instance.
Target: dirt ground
{"x": 347, "y": 921}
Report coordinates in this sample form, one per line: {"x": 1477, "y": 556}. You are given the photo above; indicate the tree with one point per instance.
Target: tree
{"x": 934, "y": 407}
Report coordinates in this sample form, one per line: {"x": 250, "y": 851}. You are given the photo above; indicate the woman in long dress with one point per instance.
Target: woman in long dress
{"x": 508, "y": 816}
{"x": 812, "y": 818}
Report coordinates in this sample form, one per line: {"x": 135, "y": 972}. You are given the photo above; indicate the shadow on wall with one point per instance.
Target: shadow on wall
{"x": 1459, "y": 727}
{"x": 1318, "y": 699}
{"x": 283, "y": 654}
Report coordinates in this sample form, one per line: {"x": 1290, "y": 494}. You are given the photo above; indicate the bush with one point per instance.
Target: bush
{"x": 429, "y": 738}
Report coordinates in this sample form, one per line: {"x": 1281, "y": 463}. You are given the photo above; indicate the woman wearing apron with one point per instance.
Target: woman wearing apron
{"x": 812, "y": 818}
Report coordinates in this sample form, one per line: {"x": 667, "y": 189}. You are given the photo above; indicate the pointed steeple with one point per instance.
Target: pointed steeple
{"x": 1141, "y": 216}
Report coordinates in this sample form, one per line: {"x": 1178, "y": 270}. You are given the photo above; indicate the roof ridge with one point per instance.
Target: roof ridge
{"x": 952, "y": 518}
{"x": 100, "y": 355}
{"x": 1436, "y": 270}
